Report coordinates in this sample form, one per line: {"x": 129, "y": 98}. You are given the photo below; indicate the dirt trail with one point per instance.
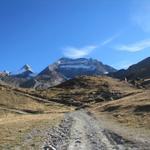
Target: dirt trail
{"x": 81, "y": 131}
{"x": 15, "y": 111}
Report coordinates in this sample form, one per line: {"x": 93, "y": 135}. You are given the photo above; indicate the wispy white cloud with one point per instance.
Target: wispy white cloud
{"x": 135, "y": 47}
{"x": 110, "y": 39}
{"x": 141, "y": 14}
{"x": 73, "y": 52}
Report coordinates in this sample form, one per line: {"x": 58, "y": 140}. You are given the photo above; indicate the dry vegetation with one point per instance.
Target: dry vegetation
{"x": 21, "y": 114}
{"x": 89, "y": 90}
{"x": 121, "y": 100}
{"x": 16, "y": 130}
{"x": 133, "y": 110}
{"x": 18, "y": 100}
{"x": 23, "y": 111}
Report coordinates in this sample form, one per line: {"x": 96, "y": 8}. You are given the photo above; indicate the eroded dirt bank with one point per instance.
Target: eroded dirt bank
{"x": 81, "y": 131}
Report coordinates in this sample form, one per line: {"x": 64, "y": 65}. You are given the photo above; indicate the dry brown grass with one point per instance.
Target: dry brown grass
{"x": 21, "y": 113}
{"x": 81, "y": 88}
{"x": 128, "y": 110}
{"x": 132, "y": 110}
{"x": 11, "y": 99}
{"x": 15, "y": 128}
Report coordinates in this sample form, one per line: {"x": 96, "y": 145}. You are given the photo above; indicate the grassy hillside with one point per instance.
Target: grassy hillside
{"x": 19, "y": 100}
{"x": 21, "y": 113}
{"x": 24, "y": 110}
{"x": 86, "y": 90}
{"x": 132, "y": 110}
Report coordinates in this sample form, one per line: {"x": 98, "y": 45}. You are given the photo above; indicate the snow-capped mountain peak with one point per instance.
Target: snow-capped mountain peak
{"x": 25, "y": 72}
{"x": 69, "y": 68}
{"x": 26, "y": 67}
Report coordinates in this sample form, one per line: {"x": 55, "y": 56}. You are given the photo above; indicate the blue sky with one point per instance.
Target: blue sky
{"x": 38, "y": 32}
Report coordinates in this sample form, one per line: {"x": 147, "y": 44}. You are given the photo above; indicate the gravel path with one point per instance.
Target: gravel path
{"x": 80, "y": 131}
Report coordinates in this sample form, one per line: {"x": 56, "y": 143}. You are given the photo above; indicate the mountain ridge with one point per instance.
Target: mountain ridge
{"x": 135, "y": 71}
{"x": 67, "y": 68}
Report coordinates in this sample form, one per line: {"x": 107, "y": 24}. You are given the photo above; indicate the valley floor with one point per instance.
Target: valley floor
{"x": 116, "y": 116}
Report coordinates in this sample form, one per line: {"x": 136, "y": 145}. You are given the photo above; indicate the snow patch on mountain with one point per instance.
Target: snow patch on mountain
{"x": 77, "y": 66}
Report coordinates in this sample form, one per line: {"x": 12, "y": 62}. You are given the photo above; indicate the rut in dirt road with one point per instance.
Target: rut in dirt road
{"x": 80, "y": 131}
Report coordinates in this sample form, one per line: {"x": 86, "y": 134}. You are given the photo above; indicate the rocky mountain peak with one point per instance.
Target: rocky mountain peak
{"x": 70, "y": 68}
{"x": 25, "y": 72}
{"x": 26, "y": 67}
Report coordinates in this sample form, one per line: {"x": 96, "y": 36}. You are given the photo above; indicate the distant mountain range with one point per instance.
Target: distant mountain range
{"x": 58, "y": 72}
{"x": 66, "y": 68}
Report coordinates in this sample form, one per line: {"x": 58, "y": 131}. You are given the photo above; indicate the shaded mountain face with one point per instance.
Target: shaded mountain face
{"x": 70, "y": 68}
{"x": 140, "y": 70}
{"x": 49, "y": 77}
